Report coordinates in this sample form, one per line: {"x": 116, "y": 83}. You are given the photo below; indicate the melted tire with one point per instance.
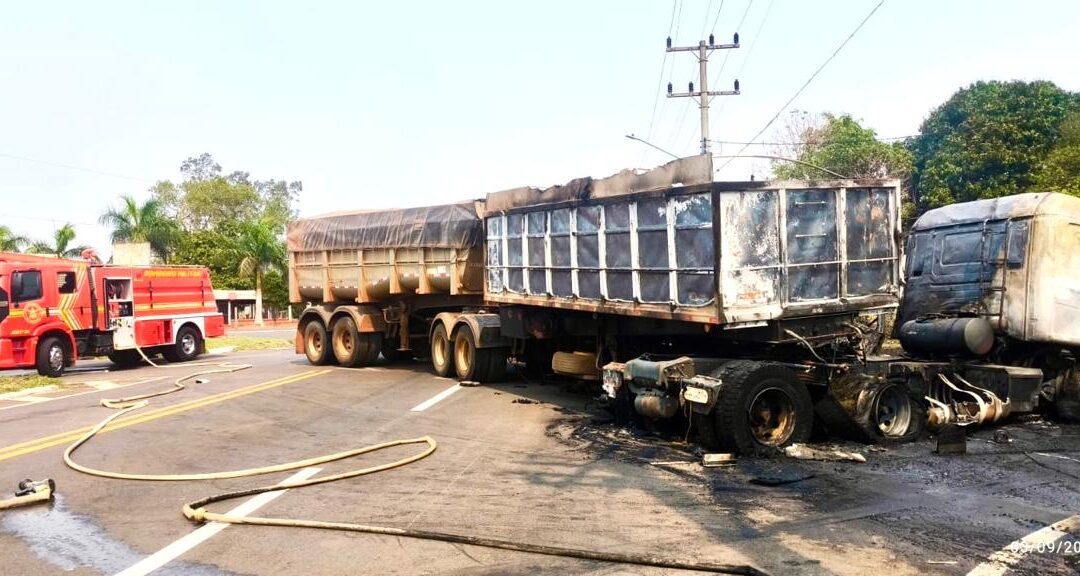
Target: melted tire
{"x": 745, "y": 382}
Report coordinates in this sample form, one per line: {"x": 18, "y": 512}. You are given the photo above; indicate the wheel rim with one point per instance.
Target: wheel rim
{"x": 315, "y": 343}
{"x": 439, "y": 349}
{"x": 343, "y": 341}
{"x": 56, "y": 357}
{"x": 893, "y": 412}
{"x": 462, "y": 356}
{"x": 771, "y": 417}
{"x": 187, "y": 344}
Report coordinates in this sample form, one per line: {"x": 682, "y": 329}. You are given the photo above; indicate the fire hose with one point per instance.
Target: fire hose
{"x": 196, "y": 511}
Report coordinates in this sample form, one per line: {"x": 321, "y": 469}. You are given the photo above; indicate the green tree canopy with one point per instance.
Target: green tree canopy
{"x": 60, "y": 245}
{"x": 11, "y": 242}
{"x": 1060, "y": 171}
{"x": 839, "y": 143}
{"x": 231, "y": 224}
{"x": 988, "y": 140}
{"x": 132, "y": 222}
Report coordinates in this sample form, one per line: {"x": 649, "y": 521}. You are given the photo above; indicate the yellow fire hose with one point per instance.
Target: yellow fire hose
{"x": 197, "y": 512}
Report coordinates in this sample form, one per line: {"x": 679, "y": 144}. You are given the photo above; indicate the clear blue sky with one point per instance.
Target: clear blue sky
{"x": 406, "y": 103}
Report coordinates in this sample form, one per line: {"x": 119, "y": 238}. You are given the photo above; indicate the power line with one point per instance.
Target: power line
{"x": 809, "y": 80}
{"x": 717, "y": 19}
{"x": 686, "y": 108}
{"x": 76, "y": 168}
{"x": 726, "y": 56}
{"x": 880, "y": 139}
{"x": 659, "y": 81}
{"x": 753, "y": 44}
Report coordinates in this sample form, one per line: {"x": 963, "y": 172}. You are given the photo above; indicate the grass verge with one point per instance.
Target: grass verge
{"x": 247, "y": 343}
{"x": 16, "y": 383}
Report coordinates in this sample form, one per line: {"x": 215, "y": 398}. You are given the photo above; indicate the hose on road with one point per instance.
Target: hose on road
{"x": 197, "y": 512}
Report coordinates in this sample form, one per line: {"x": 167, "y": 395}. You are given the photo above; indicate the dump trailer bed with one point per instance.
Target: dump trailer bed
{"x": 374, "y": 255}
{"x": 672, "y": 244}
{"x": 373, "y": 279}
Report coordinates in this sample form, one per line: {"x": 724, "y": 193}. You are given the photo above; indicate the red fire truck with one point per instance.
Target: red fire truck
{"x": 53, "y": 311}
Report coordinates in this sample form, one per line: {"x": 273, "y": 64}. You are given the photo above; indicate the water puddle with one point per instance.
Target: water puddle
{"x": 69, "y": 541}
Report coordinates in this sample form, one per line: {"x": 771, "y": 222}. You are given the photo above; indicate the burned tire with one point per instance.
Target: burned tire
{"x": 316, "y": 345}
{"x": 187, "y": 347}
{"x": 52, "y": 356}
{"x": 351, "y": 347}
{"x": 477, "y": 364}
{"x": 877, "y": 412}
{"x": 442, "y": 354}
{"x": 125, "y": 358}
{"x": 762, "y": 408}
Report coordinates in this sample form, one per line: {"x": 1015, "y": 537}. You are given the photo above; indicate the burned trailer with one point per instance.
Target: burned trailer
{"x": 991, "y": 307}
{"x": 374, "y": 280}
{"x": 717, "y": 301}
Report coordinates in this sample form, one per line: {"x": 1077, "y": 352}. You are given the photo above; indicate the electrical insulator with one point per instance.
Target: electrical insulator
{"x": 669, "y": 41}
{"x": 669, "y": 88}
{"x": 691, "y": 86}
{"x": 712, "y": 41}
{"x": 736, "y": 38}
{"x": 736, "y": 84}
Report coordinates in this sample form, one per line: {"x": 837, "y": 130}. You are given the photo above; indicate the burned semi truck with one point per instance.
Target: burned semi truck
{"x": 745, "y": 309}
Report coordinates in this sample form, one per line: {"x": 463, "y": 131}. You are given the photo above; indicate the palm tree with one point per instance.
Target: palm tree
{"x": 61, "y": 244}
{"x": 11, "y": 242}
{"x": 134, "y": 223}
{"x": 261, "y": 251}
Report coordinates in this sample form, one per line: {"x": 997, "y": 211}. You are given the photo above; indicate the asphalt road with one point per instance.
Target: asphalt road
{"x": 527, "y": 462}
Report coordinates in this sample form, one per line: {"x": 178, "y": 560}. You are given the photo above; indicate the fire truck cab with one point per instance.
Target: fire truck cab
{"x": 54, "y": 311}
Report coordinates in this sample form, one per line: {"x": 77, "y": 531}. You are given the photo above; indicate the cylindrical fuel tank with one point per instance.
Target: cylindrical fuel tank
{"x": 947, "y": 336}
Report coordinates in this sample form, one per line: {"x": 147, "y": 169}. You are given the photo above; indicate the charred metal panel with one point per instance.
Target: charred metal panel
{"x": 1013, "y": 261}
{"x": 720, "y": 254}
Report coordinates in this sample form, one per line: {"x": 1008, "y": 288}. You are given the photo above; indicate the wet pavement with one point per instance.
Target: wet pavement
{"x": 536, "y": 462}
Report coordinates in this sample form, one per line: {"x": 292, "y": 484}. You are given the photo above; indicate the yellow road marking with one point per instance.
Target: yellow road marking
{"x": 23, "y": 448}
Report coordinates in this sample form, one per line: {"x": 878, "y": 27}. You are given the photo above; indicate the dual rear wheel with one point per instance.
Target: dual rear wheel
{"x": 762, "y": 408}
{"x": 459, "y": 356}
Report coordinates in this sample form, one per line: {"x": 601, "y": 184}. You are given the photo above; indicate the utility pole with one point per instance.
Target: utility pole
{"x": 703, "y": 95}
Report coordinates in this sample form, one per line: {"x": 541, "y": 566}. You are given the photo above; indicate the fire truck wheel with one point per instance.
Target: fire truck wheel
{"x": 762, "y": 408}
{"x": 316, "y": 347}
{"x": 442, "y": 355}
{"x": 52, "y": 356}
{"x": 187, "y": 347}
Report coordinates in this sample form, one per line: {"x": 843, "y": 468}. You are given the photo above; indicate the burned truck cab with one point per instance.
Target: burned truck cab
{"x": 991, "y": 304}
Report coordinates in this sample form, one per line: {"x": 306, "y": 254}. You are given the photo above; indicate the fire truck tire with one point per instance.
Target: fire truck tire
{"x": 52, "y": 356}
{"x": 442, "y": 351}
{"x": 477, "y": 364}
{"x": 125, "y": 358}
{"x": 762, "y": 408}
{"x": 316, "y": 344}
{"x": 352, "y": 348}
{"x": 187, "y": 347}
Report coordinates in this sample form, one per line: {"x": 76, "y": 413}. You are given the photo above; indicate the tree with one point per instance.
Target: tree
{"x": 988, "y": 140}
{"x": 261, "y": 251}
{"x": 146, "y": 223}
{"x": 842, "y": 145}
{"x": 1060, "y": 171}
{"x": 11, "y": 242}
{"x": 61, "y": 244}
